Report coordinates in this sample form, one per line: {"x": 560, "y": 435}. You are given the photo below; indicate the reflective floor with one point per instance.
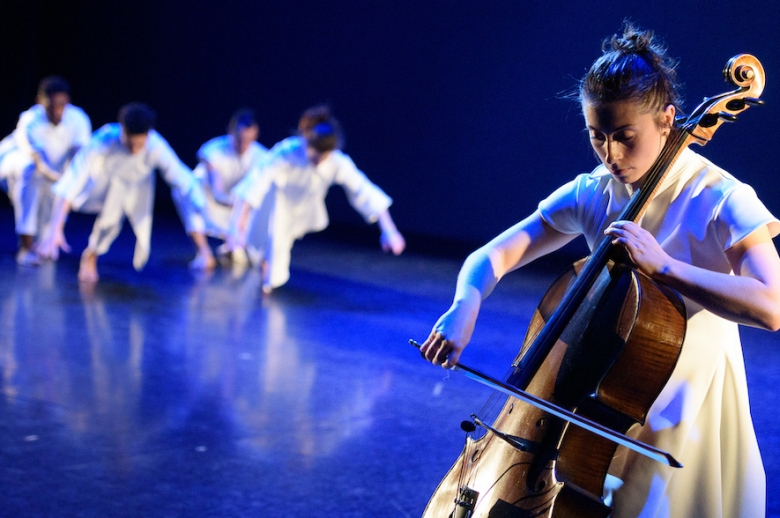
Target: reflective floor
{"x": 163, "y": 393}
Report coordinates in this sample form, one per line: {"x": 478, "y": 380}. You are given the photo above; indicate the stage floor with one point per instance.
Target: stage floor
{"x": 164, "y": 393}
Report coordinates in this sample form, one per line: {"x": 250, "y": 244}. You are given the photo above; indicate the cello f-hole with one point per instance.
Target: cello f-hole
{"x": 475, "y": 455}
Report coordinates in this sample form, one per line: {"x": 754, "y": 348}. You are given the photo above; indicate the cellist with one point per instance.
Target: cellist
{"x": 705, "y": 234}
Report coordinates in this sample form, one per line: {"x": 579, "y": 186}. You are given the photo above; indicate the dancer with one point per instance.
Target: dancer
{"x": 114, "y": 176}
{"x": 296, "y": 175}
{"x": 34, "y": 156}
{"x": 223, "y": 162}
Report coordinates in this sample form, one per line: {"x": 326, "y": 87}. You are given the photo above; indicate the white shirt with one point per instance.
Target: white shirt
{"x": 105, "y": 177}
{"x": 301, "y": 188}
{"x": 35, "y": 133}
{"x": 230, "y": 168}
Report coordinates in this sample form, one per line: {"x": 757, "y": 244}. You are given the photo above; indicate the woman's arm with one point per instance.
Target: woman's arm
{"x": 237, "y": 228}
{"x": 217, "y": 184}
{"x": 391, "y": 240}
{"x": 515, "y": 247}
{"x": 751, "y": 296}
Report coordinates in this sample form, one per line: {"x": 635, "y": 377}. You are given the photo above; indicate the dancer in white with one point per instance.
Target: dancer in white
{"x": 35, "y": 155}
{"x": 294, "y": 180}
{"x": 114, "y": 176}
{"x": 223, "y": 162}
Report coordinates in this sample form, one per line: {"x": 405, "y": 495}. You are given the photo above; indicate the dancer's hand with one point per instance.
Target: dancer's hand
{"x": 392, "y": 241}
{"x": 52, "y": 243}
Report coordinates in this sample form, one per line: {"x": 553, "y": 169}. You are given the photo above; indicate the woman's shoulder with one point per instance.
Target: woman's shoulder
{"x": 214, "y": 146}
{"x": 34, "y": 115}
{"x": 597, "y": 180}
{"x": 698, "y": 170}
{"x": 291, "y": 148}
{"x": 107, "y": 132}
{"x": 256, "y": 147}
{"x": 154, "y": 139}
{"x": 289, "y": 143}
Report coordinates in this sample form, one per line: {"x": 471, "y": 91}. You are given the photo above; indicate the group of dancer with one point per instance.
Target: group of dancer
{"x": 257, "y": 201}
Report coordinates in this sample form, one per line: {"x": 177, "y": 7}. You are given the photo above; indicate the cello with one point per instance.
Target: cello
{"x": 600, "y": 347}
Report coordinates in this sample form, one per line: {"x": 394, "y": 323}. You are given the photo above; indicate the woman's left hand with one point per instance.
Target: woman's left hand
{"x": 642, "y": 247}
{"x": 392, "y": 241}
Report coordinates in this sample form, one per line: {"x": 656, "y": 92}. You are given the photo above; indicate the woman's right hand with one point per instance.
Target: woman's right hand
{"x": 450, "y": 335}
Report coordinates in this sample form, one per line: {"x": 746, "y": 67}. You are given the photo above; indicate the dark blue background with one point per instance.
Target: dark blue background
{"x": 453, "y": 107}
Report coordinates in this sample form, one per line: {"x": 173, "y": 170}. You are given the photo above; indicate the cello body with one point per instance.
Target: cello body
{"x": 588, "y": 370}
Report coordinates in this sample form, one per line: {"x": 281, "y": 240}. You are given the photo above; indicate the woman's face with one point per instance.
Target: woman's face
{"x": 243, "y": 136}
{"x": 626, "y": 139}
{"x": 314, "y": 156}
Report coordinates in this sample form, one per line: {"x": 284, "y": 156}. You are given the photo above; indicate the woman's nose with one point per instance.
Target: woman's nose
{"x": 611, "y": 154}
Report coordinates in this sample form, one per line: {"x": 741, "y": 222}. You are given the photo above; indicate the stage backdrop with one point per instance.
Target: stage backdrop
{"x": 454, "y": 108}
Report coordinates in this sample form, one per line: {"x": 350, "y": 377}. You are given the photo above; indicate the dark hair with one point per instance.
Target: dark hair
{"x": 633, "y": 66}
{"x": 53, "y": 85}
{"x": 243, "y": 117}
{"x": 320, "y": 129}
{"x": 137, "y": 118}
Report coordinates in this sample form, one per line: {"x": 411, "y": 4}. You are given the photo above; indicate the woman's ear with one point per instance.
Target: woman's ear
{"x": 668, "y": 116}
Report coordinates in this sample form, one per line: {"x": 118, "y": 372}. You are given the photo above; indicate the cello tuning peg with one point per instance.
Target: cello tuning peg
{"x": 726, "y": 116}
{"x": 738, "y": 105}
{"x": 754, "y": 101}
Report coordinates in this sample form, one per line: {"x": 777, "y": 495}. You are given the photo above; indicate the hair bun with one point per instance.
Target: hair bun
{"x": 632, "y": 41}
{"x": 633, "y": 65}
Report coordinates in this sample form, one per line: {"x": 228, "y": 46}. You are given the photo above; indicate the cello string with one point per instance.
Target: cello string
{"x": 675, "y": 142}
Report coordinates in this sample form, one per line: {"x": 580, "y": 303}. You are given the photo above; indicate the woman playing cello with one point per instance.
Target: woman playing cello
{"x": 704, "y": 234}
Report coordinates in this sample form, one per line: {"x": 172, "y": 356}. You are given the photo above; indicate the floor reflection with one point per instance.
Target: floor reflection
{"x": 163, "y": 393}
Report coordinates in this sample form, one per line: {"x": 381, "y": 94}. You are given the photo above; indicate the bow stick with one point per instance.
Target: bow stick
{"x": 566, "y": 415}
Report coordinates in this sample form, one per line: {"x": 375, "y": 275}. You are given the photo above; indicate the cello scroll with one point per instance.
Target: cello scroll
{"x": 744, "y": 71}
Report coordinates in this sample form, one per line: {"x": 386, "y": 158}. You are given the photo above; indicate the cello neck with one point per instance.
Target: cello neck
{"x": 526, "y": 368}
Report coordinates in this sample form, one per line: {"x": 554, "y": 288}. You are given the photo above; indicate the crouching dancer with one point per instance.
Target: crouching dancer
{"x": 34, "y": 156}
{"x": 294, "y": 179}
{"x": 222, "y": 162}
{"x": 113, "y": 176}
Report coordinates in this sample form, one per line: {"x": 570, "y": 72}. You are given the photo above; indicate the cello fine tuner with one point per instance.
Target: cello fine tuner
{"x": 465, "y": 502}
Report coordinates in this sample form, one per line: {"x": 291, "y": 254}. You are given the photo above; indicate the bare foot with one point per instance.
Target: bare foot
{"x": 88, "y": 267}
{"x": 26, "y": 257}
